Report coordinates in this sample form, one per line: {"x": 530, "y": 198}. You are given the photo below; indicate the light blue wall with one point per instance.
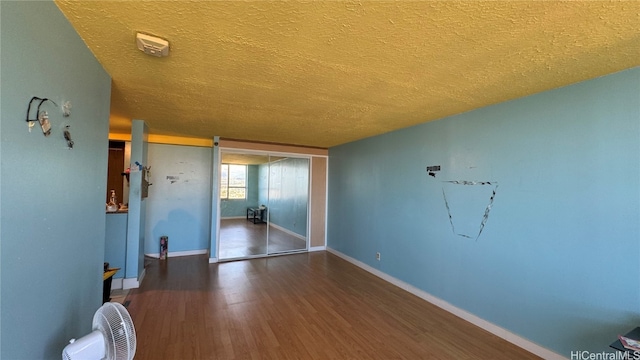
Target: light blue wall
{"x": 263, "y": 184}
{"x": 179, "y": 202}
{"x": 284, "y": 189}
{"x": 558, "y": 260}
{"x": 115, "y": 248}
{"x": 52, "y": 209}
{"x": 238, "y": 208}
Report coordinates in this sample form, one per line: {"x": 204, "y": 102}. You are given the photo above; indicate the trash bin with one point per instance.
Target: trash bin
{"x": 164, "y": 247}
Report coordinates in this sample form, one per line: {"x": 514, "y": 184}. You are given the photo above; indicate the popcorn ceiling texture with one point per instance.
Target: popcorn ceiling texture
{"x": 326, "y": 73}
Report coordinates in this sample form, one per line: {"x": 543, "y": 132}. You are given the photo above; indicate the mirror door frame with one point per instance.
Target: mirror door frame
{"x": 218, "y": 165}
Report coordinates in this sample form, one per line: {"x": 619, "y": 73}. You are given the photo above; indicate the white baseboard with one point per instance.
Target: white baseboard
{"x": 317, "y": 248}
{"x": 144, "y": 272}
{"x": 233, "y": 217}
{"x": 130, "y": 283}
{"x": 287, "y": 231}
{"x": 116, "y": 284}
{"x": 213, "y": 260}
{"x": 133, "y": 283}
{"x": 179, "y": 253}
{"x": 484, "y": 324}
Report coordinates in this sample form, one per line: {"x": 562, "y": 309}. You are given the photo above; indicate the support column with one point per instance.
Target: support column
{"x": 215, "y": 201}
{"x": 137, "y": 206}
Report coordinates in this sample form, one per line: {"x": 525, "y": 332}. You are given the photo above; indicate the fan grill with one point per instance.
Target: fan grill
{"x": 115, "y": 323}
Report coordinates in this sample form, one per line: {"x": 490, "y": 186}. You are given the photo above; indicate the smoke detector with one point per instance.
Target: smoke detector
{"x": 152, "y": 45}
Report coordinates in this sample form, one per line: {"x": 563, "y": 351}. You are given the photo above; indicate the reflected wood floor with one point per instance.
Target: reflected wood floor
{"x": 241, "y": 238}
{"x": 301, "y": 306}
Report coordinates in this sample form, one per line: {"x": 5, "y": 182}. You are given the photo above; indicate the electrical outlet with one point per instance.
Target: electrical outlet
{"x": 378, "y": 256}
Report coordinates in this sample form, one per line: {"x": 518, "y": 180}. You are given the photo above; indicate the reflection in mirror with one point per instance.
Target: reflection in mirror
{"x": 243, "y": 231}
{"x": 263, "y": 205}
{"x": 288, "y": 194}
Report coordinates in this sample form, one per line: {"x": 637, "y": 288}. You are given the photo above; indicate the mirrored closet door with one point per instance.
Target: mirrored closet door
{"x": 264, "y": 202}
{"x": 288, "y": 199}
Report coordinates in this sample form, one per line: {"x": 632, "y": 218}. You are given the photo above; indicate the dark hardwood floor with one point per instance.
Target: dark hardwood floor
{"x": 301, "y": 306}
{"x": 241, "y": 238}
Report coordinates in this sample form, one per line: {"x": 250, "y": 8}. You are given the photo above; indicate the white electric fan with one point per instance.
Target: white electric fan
{"x": 113, "y": 336}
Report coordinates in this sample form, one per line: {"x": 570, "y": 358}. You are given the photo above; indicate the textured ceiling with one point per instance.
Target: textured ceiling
{"x": 326, "y": 73}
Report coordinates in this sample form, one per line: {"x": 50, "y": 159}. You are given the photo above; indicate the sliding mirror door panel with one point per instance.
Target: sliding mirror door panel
{"x": 288, "y": 201}
{"x": 243, "y": 230}
{"x": 264, "y": 201}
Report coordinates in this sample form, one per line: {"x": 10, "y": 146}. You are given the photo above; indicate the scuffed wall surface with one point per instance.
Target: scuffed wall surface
{"x": 179, "y": 202}
{"x": 557, "y": 261}
{"x": 52, "y": 220}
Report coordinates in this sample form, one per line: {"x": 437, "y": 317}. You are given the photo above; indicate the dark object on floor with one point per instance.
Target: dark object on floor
{"x": 107, "y": 278}
{"x": 257, "y": 215}
{"x": 633, "y": 334}
{"x": 164, "y": 247}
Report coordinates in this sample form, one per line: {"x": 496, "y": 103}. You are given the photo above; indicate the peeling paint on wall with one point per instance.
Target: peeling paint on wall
{"x": 487, "y": 210}
{"x": 464, "y": 182}
{"x": 464, "y": 212}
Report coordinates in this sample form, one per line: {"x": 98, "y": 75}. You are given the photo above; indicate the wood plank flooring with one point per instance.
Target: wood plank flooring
{"x": 302, "y": 306}
{"x": 241, "y": 238}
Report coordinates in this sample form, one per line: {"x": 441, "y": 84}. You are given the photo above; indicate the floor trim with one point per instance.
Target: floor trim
{"x": 484, "y": 324}
{"x": 213, "y": 260}
{"x": 179, "y": 253}
{"x": 133, "y": 283}
{"x": 287, "y": 231}
{"x": 116, "y": 284}
{"x": 317, "y": 248}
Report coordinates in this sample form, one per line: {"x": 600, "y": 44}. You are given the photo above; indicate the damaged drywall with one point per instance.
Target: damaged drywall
{"x": 464, "y": 201}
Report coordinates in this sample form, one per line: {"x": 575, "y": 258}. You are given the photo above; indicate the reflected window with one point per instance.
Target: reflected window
{"x": 233, "y": 182}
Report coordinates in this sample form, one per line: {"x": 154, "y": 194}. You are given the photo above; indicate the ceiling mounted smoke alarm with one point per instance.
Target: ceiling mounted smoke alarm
{"x": 152, "y": 45}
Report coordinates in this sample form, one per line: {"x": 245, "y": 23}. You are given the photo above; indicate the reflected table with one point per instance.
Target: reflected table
{"x": 256, "y": 215}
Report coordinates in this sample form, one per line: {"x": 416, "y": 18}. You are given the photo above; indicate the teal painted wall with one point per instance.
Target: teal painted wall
{"x": 115, "y": 248}
{"x": 179, "y": 202}
{"x": 557, "y": 262}
{"x": 263, "y": 184}
{"x": 284, "y": 189}
{"x": 238, "y": 208}
{"x": 52, "y": 209}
